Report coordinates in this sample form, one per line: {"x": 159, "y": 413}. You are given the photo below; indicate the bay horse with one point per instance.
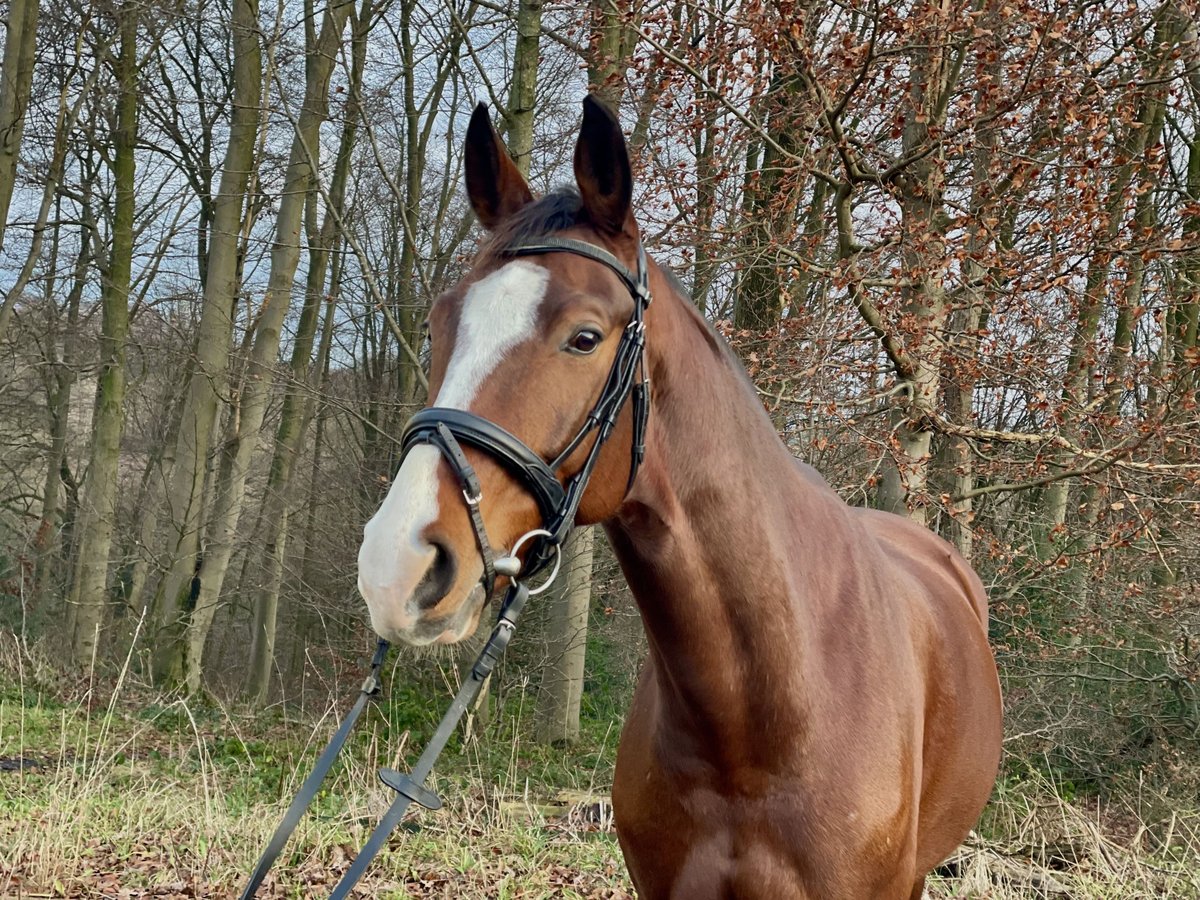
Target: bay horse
{"x": 819, "y": 715}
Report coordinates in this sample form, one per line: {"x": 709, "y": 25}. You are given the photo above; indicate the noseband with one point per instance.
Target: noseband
{"x": 558, "y": 502}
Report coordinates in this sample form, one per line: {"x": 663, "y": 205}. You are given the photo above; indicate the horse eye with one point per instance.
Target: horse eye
{"x": 585, "y": 341}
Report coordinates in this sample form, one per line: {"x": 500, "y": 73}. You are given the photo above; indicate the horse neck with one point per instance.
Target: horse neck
{"x": 705, "y": 538}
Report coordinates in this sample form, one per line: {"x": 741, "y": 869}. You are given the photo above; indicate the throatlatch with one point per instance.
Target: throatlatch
{"x": 446, "y": 429}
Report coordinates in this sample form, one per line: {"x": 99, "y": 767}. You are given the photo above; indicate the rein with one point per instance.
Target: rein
{"x": 447, "y": 429}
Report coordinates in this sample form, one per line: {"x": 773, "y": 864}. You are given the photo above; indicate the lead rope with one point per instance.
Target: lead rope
{"x": 410, "y": 788}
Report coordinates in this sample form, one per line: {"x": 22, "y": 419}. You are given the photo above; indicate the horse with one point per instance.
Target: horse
{"x": 819, "y": 713}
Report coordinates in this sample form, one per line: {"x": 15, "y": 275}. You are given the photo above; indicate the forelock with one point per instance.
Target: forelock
{"x": 558, "y": 210}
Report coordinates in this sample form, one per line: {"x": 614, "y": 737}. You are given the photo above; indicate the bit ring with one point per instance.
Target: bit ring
{"x": 538, "y": 532}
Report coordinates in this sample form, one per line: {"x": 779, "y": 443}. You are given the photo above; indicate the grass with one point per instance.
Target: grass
{"x": 129, "y": 794}
{"x": 1037, "y": 843}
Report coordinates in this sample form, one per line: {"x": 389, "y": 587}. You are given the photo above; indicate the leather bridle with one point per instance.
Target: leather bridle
{"x": 558, "y": 501}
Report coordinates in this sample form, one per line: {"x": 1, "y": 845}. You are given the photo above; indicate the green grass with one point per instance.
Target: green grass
{"x": 159, "y": 798}
{"x": 154, "y": 796}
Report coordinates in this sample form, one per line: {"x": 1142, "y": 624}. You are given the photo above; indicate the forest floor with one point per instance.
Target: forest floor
{"x": 116, "y": 792}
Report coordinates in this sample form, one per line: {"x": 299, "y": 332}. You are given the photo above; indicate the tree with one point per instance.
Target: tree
{"x": 207, "y": 380}
{"x": 936, "y": 63}
{"x": 179, "y": 657}
{"x": 772, "y": 193}
{"x": 522, "y": 95}
{"x": 561, "y": 687}
{"x": 90, "y": 589}
{"x": 293, "y": 420}
{"x": 16, "y": 78}
{"x": 1138, "y": 134}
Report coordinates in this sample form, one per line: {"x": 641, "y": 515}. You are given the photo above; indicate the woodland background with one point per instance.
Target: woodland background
{"x": 956, "y": 243}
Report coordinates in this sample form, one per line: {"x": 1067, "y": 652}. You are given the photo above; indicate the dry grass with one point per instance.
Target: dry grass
{"x": 128, "y": 796}
{"x": 1041, "y": 844}
{"x": 123, "y": 795}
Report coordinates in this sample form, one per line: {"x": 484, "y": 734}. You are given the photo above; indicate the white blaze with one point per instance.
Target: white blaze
{"x": 498, "y": 312}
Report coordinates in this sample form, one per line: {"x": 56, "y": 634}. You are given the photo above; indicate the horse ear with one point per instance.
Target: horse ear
{"x": 602, "y": 170}
{"x": 495, "y": 186}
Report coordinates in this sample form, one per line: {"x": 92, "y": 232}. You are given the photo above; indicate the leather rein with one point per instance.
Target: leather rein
{"x": 558, "y": 502}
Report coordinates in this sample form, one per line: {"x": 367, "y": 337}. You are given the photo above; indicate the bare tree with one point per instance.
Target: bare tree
{"x": 294, "y": 418}
{"x": 179, "y": 658}
{"x": 207, "y": 381}
{"x": 90, "y": 588}
{"x": 16, "y": 79}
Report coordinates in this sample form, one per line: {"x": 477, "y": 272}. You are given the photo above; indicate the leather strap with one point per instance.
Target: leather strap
{"x": 475, "y": 431}
{"x": 312, "y": 784}
{"x": 638, "y": 284}
{"x": 472, "y": 494}
{"x": 412, "y": 786}
{"x": 629, "y": 354}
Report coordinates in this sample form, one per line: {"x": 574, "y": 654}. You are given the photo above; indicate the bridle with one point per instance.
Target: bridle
{"x": 558, "y": 502}
{"x": 447, "y": 429}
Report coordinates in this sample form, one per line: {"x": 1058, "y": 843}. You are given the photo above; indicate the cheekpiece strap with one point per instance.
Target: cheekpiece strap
{"x": 458, "y": 461}
{"x": 472, "y": 494}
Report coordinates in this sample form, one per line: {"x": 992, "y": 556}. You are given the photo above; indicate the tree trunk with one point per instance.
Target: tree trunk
{"x": 308, "y": 568}
{"x": 905, "y": 473}
{"x": 562, "y": 674}
{"x": 761, "y": 290}
{"x": 64, "y": 125}
{"x": 976, "y": 305}
{"x": 16, "y": 78}
{"x": 609, "y": 48}
{"x": 193, "y": 444}
{"x": 522, "y": 96}
{"x": 1178, "y": 357}
{"x": 706, "y": 263}
{"x": 184, "y": 659}
{"x": 58, "y": 405}
{"x": 100, "y": 493}
{"x": 1183, "y": 319}
{"x": 1080, "y": 359}
{"x": 293, "y": 421}
{"x": 558, "y": 704}
{"x": 1128, "y": 301}
{"x": 146, "y": 544}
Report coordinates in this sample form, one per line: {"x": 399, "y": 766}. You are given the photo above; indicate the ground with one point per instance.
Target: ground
{"x": 117, "y": 792}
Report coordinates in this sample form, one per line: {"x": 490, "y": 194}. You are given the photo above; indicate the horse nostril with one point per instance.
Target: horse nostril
{"x": 438, "y": 579}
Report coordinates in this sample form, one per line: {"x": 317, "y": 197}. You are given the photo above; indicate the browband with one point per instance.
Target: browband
{"x": 639, "y": 284}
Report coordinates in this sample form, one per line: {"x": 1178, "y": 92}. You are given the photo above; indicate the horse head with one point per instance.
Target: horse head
{"x": 533, "y": 356}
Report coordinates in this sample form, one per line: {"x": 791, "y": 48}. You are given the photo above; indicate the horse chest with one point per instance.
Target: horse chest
{"x": 697, "y": 844}
{"x": 690, "y": 837}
